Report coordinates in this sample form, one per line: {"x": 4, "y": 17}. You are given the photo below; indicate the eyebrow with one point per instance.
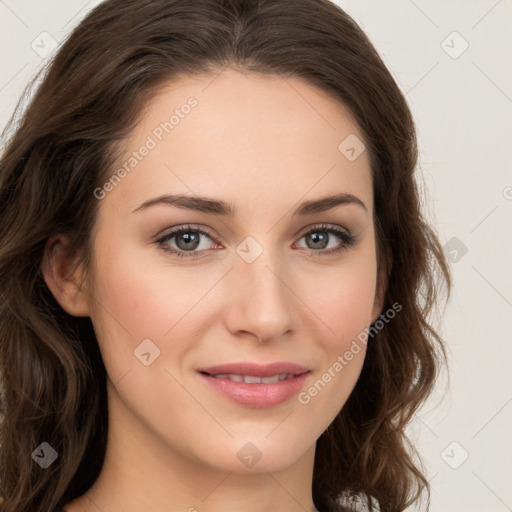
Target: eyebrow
{"x": 219, "y": 207}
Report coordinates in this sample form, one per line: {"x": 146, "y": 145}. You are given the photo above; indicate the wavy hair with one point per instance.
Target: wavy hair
{"x": 62, "y": 146}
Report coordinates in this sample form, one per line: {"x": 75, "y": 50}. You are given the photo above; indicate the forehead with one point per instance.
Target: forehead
{"x": 244, "y": 136}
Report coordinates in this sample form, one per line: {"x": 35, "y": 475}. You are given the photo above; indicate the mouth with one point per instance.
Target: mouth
{"x": 256, "y": 386}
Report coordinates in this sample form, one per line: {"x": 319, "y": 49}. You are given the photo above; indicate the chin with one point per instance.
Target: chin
{"x": 255, "y": 454}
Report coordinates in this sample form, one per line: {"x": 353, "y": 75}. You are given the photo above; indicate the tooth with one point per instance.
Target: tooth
{"x": 236, "y": 378}
{"x": 270, "y": 380}
{"x": 249, "y": 379}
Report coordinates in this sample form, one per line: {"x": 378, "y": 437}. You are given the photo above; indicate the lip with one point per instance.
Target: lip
{"x": 259, "y": 395}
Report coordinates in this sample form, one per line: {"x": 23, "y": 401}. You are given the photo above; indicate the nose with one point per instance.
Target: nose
{"x": 262, "y": 303}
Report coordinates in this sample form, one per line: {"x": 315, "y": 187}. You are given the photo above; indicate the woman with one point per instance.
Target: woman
{"x": 216, "y": 274}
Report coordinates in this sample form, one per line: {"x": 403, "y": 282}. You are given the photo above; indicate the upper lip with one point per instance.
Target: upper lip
{"x": 256, "y": 370}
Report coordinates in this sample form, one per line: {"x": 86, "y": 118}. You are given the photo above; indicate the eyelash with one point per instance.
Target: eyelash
{"x": 346, "y": 238}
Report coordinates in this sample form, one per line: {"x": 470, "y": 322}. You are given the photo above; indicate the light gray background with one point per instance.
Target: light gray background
{"x": 462, "y": 103}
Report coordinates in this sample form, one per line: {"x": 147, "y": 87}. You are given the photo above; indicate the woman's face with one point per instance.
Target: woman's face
{"x": 266, "y": 271}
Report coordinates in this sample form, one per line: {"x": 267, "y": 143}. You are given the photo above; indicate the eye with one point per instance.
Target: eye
{"x": 192, "y": 242}
{"x": 186, "y": 242}
{"x": 324, "y": 237}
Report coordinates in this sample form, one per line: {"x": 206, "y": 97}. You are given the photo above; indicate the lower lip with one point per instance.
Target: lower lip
{"x": 261, "y": 396}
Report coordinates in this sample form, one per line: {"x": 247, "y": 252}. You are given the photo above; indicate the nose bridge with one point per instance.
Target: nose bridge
{"x": 261, "y": 301}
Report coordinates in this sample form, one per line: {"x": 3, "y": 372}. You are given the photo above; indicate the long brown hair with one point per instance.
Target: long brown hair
{"x": 62, "y": 147}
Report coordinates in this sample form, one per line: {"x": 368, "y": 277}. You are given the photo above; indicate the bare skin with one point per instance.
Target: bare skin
{"x": 265, "y": 145}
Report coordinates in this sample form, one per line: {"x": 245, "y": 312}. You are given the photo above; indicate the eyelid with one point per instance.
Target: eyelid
{"x": 185, "y": 227}
{"x": 322, "y": 226}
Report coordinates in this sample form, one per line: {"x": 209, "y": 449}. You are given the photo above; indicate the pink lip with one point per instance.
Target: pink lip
{"x": 259, "y": 395}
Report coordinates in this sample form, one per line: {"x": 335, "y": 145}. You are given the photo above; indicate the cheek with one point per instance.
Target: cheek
{"x": 135, "y": 301}
{"x": 344, "y": 302}
{"x": 343, "y": 299}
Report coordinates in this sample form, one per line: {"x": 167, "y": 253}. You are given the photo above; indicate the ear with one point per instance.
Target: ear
{"x": 64, "y": 278}
{"x": 382, "y": 284}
